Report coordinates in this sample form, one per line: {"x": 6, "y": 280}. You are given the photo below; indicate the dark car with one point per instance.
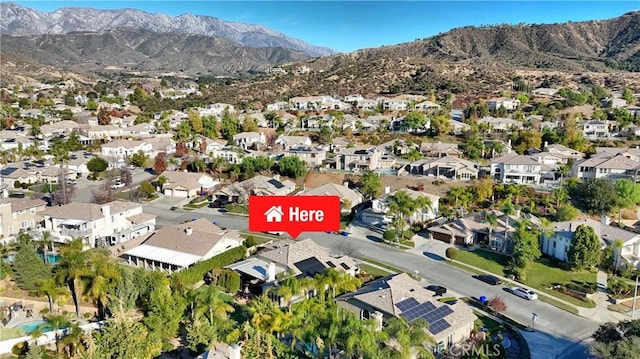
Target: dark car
{"x": 16, "y": 195}
{"x": 489, "y": 279}
{"x": 218, "y": 203}
{"x": 174, "y": 208}
{"x": 438, "y": 289}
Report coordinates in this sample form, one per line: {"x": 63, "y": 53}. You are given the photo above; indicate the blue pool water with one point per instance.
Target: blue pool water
{"x": 8, "y": 258}
{"x": 51, "y": 258}
{"x": 31, "y": 326}
{"x": 387, "y": 171}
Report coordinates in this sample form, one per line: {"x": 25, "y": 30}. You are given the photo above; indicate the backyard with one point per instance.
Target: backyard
{"x": 540, "y": 275}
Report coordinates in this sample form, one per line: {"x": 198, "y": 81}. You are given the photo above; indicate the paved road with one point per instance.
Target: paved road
{"x": 85, "y": 188}
{"x": 557, "y": 331}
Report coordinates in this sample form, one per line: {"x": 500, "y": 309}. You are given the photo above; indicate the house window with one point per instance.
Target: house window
{"x": 22, "y": 211}
{"x": 32, "y": 211}
{"x": 554, "y": 244}
{"x": 24, "y": 224}
{"x": 15, "y": 215}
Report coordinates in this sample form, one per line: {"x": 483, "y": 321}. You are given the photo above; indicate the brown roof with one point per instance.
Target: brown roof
{"x": 205, "y": 235}
{"x": 75, "y": 210}
{"x": 26, "y": 203}
{"x": 290, "y": 252}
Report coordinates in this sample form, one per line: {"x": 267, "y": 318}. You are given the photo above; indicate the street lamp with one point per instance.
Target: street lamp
{"x": 534, "y": 316}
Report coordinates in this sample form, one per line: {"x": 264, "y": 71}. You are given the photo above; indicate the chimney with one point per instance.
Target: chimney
{"x": 271, "y": 272}
{"x": 606, "y": 220}
{"x": 188, "y": 231}
{"x": 378, "y": 317}
{"x": 387, "y": 189}
{"x": 276, "y": 177}
{"x": 546, "y": 144}
{"x": 346, "y": 184}
{"x": 234, "y": 351}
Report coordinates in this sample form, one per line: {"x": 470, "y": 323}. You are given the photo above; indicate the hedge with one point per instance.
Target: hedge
{"x": 196, "y": 273}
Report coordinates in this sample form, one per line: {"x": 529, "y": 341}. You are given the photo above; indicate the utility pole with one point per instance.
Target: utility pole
{"x": 635, "y": 297}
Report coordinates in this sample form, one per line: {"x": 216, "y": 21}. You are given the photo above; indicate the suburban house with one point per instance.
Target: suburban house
{"x": 426, "y": 106}
{"x": 258, "y": 185}
{"x": 399, "y": 295}
{"x": 356, "y": 159}
{"x": 543, "y": 91}
{"x": 610, "y": 168}
{"x": 78, "y": 162}
{"x": 444, "y": 167}
{"x": 292, "y": 141}
{"x": 349, "y": 198}
{"x": 187, "y": 184}
{"x": 439, "y": 149}
{"x": 206, "y": 145}
{"x": 160, "y": 144}
{"x": 117, "y": 152}
{"x": 594, "y": 129}
{"x": 302, "y": 258}
{"x": 20, "y": 215}
{"x": 248, "y": 140}
{"x": 174, "y": 248}
{"x": 501, "y": 124}
{"x": 514, "y": 168}
{"x": 569, "y": 153}
{"x": 558, "y": 243}
{"x": 312, "y": 156}
{"x": 508, "y": 103}
{"x": 99, "y": 225}
{"x": 378, "y": 213}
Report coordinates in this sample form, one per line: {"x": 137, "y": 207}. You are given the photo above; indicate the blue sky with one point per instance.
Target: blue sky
{"x": 350, "y": 25}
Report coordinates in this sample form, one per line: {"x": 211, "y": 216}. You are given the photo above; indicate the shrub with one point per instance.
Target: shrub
{"x": 408, "y": 234}
{"x": 452, "y": 253}
{"x": 230, "y": 281}
{"x": 196, "y": 273}
{"x": 567, "y": 213}
{"x": 250, "y": 241}
{"x": 518, "y": 273}
{"x": 17, "y": 184}
{"x": 389, "y": 235}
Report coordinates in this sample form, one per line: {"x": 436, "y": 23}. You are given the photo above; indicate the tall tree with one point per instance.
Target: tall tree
{"x": 628, "y": 194}
{"x": 104, "y": 116}
{"x": 28, "y": 268}
{"x": 584, "y": 250}
{"x": 526, "y": 247}
{"x": 160, "y": 163}
{"x": 71, "y": 268}
{"x": 370, "y": 184}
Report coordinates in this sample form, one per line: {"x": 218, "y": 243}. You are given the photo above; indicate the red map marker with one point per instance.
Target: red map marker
{"x": 294, "y": 214}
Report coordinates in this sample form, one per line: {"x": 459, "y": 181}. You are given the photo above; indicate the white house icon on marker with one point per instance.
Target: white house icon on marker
{"x": 274, "y": 214}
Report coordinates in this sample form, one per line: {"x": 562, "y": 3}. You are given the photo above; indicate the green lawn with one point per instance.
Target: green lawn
{"x": 235, "y": 208}
{"x": 485, "y": 322}
{"x": 541, "y": 275}
{"x": 374, "y": 271}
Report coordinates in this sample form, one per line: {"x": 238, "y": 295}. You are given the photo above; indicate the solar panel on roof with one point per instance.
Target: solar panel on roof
{"x": 275, "y": 183}
{"x": 407, "y": 304}
{"x": 345, "y": 266}
{"x": 418, "y": 311}
{"x": 330, "y": 263}
{"x": 438, "y": 326}
{"x": 437, "y": 314}
{"x": 310, "y": 266}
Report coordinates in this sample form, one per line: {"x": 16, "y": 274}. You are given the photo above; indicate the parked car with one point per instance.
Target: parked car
{"x": 131, "y": 167}
{"x": 174, "y": 208}
{"x": 71, "y": 181}
{"x": 438, "y": 289}
{"x": 117, "y": 185}
{"x": 524, "y": 293}
{"x": 489, "y": 279}
{"x": 16, "y": 195}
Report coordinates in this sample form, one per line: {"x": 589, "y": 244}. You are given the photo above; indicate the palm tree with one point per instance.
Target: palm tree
{"x": 263, "y": 310}
{"x": 456, "y": 192}
{"x": 71, "y": 268}
{"x": 400, "y": 205}
{"x": 51, "y": 289}
{"x": 563, "y": 170}
{"x": 61, "y": 156}
{"x": 559, "y": 197}
{"x": 360, "y": 338}
{"x": 492, "y": 221}
{"x": 46, "y": 237}
{"x": 516, "y": 191}
{"x": 73, "y": 340}
{"x": 103, "y": 278}
{"x": 409, "y": 338}
{"x": 508, "y": 210}
{"x": 54, "y": 323}
{"x": 291, "y": 288}
{"x": 211, "y": 304}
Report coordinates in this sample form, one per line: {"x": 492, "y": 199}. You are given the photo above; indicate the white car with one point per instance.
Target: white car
{"x": 131, "y": 167}
{"x": 117, "y": 185}
{"x": 524, "y": 293}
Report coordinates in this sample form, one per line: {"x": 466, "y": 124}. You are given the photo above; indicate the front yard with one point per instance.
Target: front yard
{"x": 541, "y": 275}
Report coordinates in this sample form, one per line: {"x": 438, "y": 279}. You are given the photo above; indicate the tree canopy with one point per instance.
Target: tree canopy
{"x": 584, "y": 250}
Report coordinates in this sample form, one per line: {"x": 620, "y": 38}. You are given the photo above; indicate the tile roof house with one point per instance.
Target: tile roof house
{"x": 291, "y": 141}
{"x": 444, "y": 167}
{"x": 187, "y": 184}
{"x": 348, "y": 197}
{"x": 302, "y": 258}
{"x": 173, "y": 248}
{"x": 312, "y": 156}
{"x": 256, "y": 186}
{"x": 118, "y": 151}
{"x": 108, "y": 224}
{"x": 20, "y": 215}
{"x": 610, "y": 168}
{"x": 246, "y": 140}
{"x": 380, "y": 206}
{"x": 399, "y": 295}
{"x": 557, "y": 244}
{"x": 500, "y": 124}
{"x": 508, "y": 103}
{"x": 514, "y": 168}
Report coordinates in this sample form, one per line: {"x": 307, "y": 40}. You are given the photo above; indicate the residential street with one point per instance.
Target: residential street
{"x": 557, "y": 331}
{"x": 85, "y": 188}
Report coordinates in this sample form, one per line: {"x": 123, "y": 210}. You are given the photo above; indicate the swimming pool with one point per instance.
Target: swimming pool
{"x": 32, "y": 326}
{"x": 51, "y": 258}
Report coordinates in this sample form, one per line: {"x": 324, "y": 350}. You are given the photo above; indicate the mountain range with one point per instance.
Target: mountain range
{"x": 18, "y": 20}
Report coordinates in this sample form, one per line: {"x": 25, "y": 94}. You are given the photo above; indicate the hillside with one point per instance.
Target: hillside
{"x": 145, "y": 51}
{"x": 480, "y": 59}
{"x": 20, "y": 21}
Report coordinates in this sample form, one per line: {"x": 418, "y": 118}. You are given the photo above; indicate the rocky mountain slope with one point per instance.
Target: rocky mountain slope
{"x": 19, "y": 20}
{"x": 137, "y": 50}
